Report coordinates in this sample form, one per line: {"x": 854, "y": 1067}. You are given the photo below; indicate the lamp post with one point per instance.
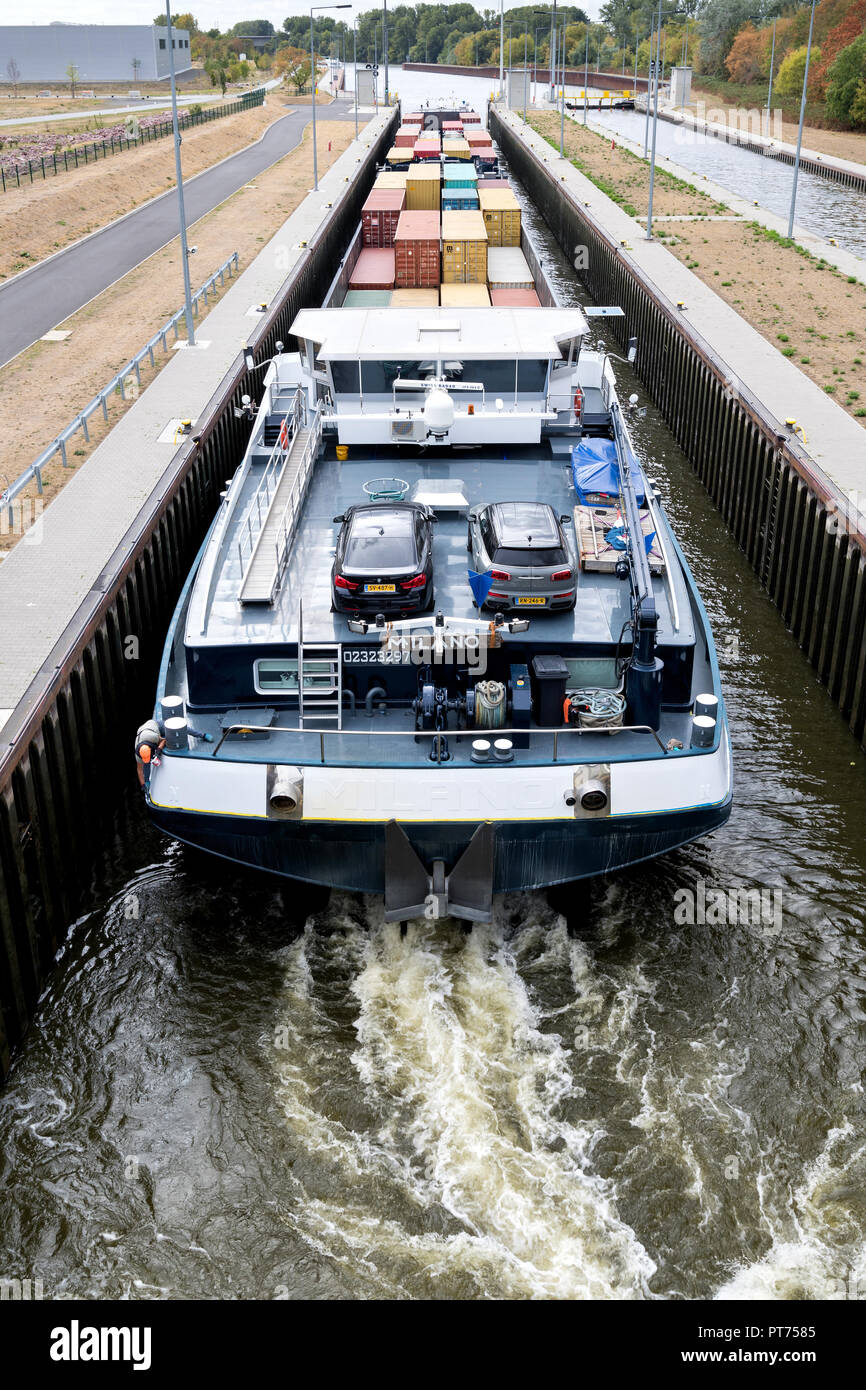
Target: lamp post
{"x": 525, "y": 70}
{"x": 562, "y": 98}
{"x": 770, "y": 88}
{"x": 800, "y": 128}
{"x": 501, "y": 47}
{"x": 553, "y": 54}
{"x": 384, "y": 43}
{"x": 355, "y": 38}
{"x": 649, "y": 88}
{"x": 313, "y": 82}
{"x": 184, "y": 249}
{"x": 649, "y": 220}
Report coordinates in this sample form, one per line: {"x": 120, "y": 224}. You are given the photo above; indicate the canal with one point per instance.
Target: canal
{"x": 223, "y": 1096}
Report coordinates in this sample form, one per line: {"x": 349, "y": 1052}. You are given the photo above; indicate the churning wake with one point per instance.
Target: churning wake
{"x": 449, "y": 1130}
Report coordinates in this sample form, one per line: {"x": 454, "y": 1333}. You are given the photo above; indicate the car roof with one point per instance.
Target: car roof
{"x": 525, "y": 525}
{"x": 398, "y": 516}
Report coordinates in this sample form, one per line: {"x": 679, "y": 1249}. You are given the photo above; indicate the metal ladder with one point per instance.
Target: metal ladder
{"x": 328, "y": 661}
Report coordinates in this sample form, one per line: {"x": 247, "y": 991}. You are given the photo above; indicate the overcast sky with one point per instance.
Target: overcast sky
{"x": 211, "y": 14}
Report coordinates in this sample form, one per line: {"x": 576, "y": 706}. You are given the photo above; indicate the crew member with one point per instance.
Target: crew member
{"x": 148, "y": 741}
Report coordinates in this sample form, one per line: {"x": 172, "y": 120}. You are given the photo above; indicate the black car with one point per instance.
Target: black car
{"x": 384, "y": 559}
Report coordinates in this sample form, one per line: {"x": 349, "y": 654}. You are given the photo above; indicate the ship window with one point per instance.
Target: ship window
{"x": 273, "y": 675}
{"x": 378, "y": 377}
{"x": 345, "y": 376}
{"x": 531, "y": 376}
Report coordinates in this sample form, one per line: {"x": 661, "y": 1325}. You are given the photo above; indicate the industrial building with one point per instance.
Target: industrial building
{"x": 100, "y": 52}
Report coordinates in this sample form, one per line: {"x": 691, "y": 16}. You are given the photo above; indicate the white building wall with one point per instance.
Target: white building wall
{"x": 101, "y": 52}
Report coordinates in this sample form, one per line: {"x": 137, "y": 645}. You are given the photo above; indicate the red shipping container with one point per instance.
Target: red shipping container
{"x": 485, "y": 153}
{"x": 514, "y": 299}
{"x": 493, "y": 183}
{"x": 477, "y": 137}
{"x": 469, "y": 116}
{"x": 416, "y": 251}
{"x": 452, "y": 125}
{"x": 427, "y": 149}
{"x": 380, "y": 215}
{"x": 374, "y": 270}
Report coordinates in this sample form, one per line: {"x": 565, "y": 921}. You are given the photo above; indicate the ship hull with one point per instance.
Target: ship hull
{"x": 527, "y": 854}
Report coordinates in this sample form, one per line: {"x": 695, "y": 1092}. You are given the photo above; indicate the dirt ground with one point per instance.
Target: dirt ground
{"x": 106, "y": 94}
{"x": 806, "y": 308}
{"x": 107, "y": 332}
{"x": 37, "y": 220}
{"x": 845, "y": 144}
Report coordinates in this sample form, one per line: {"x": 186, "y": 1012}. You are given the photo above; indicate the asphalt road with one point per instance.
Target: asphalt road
{"x": 38, "y": 300}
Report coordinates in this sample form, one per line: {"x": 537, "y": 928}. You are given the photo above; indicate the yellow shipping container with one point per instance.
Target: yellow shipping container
{"x": 414, "y": 299}
{"x": 391, "y": 178}
{"x": 463, "y": 297}
{"x": 397, "y": 156}
{"x": 464, "y": 248}
{"x": 501, "y": 212}
{"x": 422, "y": 187}
{"x": 456, "y": 149}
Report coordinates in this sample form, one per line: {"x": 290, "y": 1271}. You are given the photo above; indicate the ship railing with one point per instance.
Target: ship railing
{"x": 289, "y": 519}
{"x": 251, "y": 527}
{"x": 436, "y": 736}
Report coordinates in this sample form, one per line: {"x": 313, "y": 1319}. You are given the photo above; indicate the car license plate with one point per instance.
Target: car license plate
{"x": 380, "y": 588}
{"x": 535, "y": 602}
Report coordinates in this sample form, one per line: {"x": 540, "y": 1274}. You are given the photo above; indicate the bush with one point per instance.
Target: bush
{"x": 195, "y": 109}
{"x": 789, "y": 82}
{"x": 846, "y": 76}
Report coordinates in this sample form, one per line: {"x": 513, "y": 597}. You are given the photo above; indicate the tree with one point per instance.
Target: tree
{"x": 858, "y": 108}
{"x": 789, "y": 82}
{"x": 182, "y": 21}
{"x": 253, "y": 28}
{"x": 13, "y": 72}
{"x": 72, "y": 78}
{"x": 292, "y": 65}
{"x": 847, "y": 75}
{"x": 745, "y": 62}
{"x": 718, "y": 24}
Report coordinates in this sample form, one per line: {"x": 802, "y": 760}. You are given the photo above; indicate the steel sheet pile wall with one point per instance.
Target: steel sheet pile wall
{"x": 802, "y": 537}
{"x": 67, "y": 755}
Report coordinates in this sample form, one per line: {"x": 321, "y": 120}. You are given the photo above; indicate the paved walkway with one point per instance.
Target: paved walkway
{"x": 38, "y": 299}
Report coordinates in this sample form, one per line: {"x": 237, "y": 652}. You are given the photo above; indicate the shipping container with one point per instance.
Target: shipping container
{"x": 374, "y": 270}
{"x": 416, "y": 250}
{"x": 427, "y": 149}
{"x": 488, "y": 183}
{"x": 459, "y": 199}
{"x": 470, "y": 118}
{"x": 507, "y": 269}
{"x": 464, "y": 248}
{"x": 461, "y": 174}
{"x": 456, "y": 149}
{"x": 367, "y": 299}
{"x": 415, "y": 299}
{"x": 453, "y": 125}
{"x": 422, "y": 188}
{"x": 484, "y": 154}
{"x": 501, "y": 212}
{"x": 397, "y": 156}
{"x": 514, "y": 299}
{"x": 406, "y": 136}
{"x": 380, "y": 215}
{"x": 464, "y": 297}
{"x": 477, "y": 137}
{"x": 391, "y": 178}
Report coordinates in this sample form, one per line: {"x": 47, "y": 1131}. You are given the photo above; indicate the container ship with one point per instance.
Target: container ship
{"x": 441, "y": 641}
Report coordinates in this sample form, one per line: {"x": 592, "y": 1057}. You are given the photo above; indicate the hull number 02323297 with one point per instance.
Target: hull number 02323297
{"x": 375, "y": 656}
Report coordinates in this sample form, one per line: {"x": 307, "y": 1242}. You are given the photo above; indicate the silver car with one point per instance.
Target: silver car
{"x": 528, "y": 554}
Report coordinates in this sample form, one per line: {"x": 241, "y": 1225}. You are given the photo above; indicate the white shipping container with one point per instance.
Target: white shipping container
{"x": 507, "y": 269}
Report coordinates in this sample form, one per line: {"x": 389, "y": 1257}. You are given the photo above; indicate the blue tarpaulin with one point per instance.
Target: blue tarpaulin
{"x": 595, "y": 470}
{"x": 480, "y": 584}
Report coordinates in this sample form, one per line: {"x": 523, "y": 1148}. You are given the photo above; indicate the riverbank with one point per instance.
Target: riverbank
{"x": 806, "y": 308}
{"x": 41, "y": 218}
{"x": 106, "y": 332}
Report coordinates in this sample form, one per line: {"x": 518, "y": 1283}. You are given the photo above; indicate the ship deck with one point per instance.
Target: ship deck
{"x": 538, "y": 474}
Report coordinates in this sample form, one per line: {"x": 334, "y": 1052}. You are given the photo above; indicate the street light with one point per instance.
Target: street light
{"x": 770, "y": 88}
{"x": 384, "y": 43}
{"x": 649, "y": 220}
{"x": 355, "y": 37}
{"x": 800, "y": 129}
{"x": 313, "y": 83}
{"x": 184, "y": 250}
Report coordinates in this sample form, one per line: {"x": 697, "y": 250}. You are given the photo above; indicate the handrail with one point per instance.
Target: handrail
{"x": 117, "y": 383}
{"x": 289, "y": 518}
{"x": 269, "y": 482}
{"x": 456, "y": 734}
